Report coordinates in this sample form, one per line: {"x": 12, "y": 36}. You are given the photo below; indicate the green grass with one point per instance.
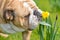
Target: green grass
{"x": 58, "y": 24}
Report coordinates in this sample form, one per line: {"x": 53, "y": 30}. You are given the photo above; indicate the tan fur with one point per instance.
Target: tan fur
{"x": 20, "y": 12}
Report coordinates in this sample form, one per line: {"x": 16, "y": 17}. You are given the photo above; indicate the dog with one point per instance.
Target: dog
{"x": 19, "y": 16}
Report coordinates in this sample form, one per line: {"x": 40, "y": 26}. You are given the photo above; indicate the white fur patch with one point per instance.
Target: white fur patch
{"x": 25, "y": 4}
{"x": 20, "y": 0}
{"x": 40, "y": 11}
{"x": 33, "y": 21}
{"x": 28, "y": 7}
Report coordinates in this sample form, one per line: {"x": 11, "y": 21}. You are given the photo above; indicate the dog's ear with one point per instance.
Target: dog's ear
{"x": 9, "y": 15}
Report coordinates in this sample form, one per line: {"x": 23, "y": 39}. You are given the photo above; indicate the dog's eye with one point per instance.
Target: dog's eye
{"x": 27, "y": 15}
{"x": 9, "y": 15}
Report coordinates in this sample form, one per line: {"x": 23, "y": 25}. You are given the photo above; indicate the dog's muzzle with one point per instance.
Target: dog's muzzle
{"x": 34, "y": 19}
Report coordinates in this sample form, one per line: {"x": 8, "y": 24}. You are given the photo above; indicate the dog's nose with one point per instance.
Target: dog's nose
{"x": 38, "y": 14}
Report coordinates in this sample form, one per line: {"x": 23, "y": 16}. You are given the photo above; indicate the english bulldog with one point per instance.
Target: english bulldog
{"x": 19, "y": 16}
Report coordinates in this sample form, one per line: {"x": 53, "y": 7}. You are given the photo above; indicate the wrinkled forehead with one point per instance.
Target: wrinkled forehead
{"x": 24, "y": 0}
{"x": 26, "y": 5}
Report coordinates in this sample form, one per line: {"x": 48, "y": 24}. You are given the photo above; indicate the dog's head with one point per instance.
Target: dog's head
{"x": 34, "y": 15}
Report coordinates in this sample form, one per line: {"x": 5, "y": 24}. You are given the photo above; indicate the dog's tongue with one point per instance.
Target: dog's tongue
{"x": 44, "y": 23}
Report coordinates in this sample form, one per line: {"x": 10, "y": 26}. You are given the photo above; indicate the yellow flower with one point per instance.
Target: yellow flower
{"x": 45, "y": 14}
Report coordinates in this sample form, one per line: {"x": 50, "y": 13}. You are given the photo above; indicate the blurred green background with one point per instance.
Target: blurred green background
{"x": 53, "y": 7}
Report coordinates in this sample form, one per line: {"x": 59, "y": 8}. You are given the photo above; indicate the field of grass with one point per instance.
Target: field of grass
{"x": 45, "y": 6}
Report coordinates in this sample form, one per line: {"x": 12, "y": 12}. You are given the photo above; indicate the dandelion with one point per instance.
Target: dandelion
{"x": 45, "y": 14}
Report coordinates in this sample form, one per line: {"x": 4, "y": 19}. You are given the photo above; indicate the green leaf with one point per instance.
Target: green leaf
{"x": 44, "y": 23}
